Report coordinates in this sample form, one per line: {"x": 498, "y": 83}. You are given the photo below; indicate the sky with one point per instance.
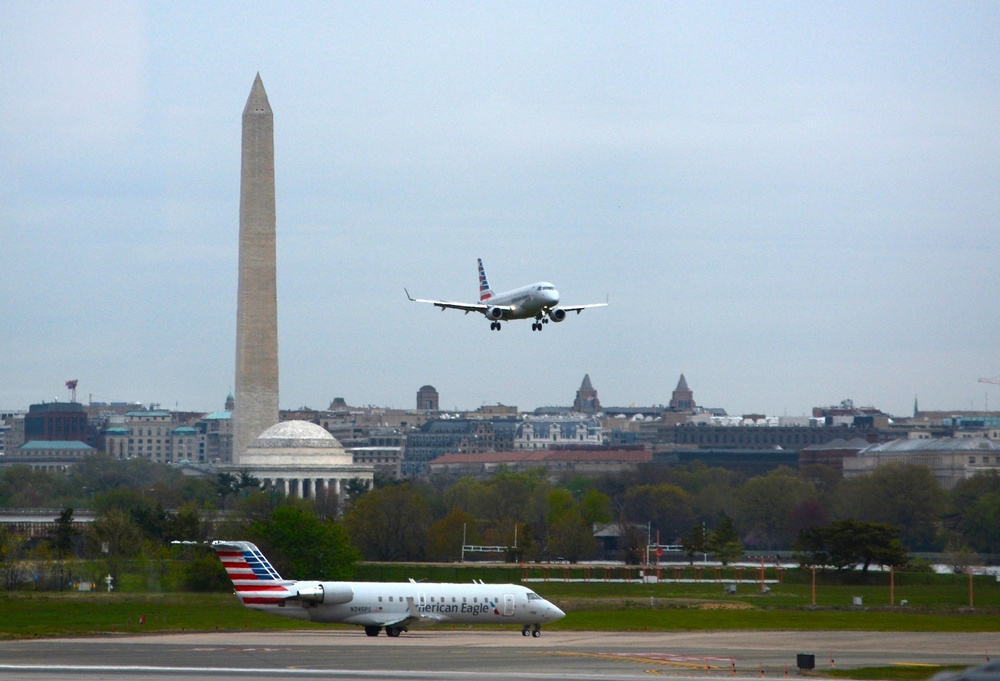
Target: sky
{"x": 790, "y": 203}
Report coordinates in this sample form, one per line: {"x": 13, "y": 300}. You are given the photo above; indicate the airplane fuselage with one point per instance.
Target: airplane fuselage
{"x": 375, "y": 603}
{"x": 527, "y": 302}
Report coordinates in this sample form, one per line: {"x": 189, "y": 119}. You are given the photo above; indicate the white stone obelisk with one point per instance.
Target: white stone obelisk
{"x": 256, "y": 406}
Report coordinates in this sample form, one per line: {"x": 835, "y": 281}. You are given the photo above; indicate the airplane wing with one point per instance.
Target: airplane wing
{"x": 393, "y": 619}
{"x": 465, "y": 307}
{"x": 580, "y": 308}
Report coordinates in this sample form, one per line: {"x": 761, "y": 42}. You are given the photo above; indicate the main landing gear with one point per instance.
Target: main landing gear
{"x": 391, "y": 632}
{"x": 494, "y": 326}
{"x": 527, "y": 630}
{"x": 539, "y": 320}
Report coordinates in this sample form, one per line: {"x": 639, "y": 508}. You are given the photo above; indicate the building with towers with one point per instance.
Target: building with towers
{"x": 586, "y": 401}
{"x": 682, "y": 398}
{"x": 427, "y": 398}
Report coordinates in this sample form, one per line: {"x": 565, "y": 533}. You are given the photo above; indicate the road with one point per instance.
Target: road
{"x": 477, "y": 655}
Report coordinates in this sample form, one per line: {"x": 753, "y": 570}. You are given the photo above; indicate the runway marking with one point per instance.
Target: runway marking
{"x": 301, "y": 672}
{"x": 665, "y": 659}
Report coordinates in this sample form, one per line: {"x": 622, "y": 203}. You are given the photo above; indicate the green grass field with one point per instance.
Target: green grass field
{"x": 934, "y": 603}
{"x": 937, "y": 603}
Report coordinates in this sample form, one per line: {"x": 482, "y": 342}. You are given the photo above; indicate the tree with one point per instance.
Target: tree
{"x": 724, "y": 541}
{"x": 847, "y": 543}
{"x": 904, "y": 495}
{"x": 12, "y": 571}
{"x": 116, "y": 537}
{"x": 765, "y": 505}
{"x": 356, "y": 488}
{"x": 695, "y": 541}
{"x": 305, "y": 547}
{"x": 389, "y": 523}
{"x": 572, "y": 537}
{"x": 981, "y": 523}
{"x": 444, "y": 537}
{"x": 666, "y": 507}
{"x": 595, "y": 507}
{"x": 185, "y": 525}
{"x": 64, "y": 536}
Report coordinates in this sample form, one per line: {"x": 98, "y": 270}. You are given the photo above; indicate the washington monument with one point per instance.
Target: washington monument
{"x": 256, "y": 406}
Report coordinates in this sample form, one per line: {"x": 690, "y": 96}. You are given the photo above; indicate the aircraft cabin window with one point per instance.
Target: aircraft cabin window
{"x": 379, "y": 599}
{"x": 390, "y": 599}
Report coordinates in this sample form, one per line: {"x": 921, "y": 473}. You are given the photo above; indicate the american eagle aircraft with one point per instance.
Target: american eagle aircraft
{"x": 538, "y": 301}
{"x": 392, "y": 606}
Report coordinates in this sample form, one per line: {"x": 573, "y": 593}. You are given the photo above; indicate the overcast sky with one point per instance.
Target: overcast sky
{"x": 791, "y": 203}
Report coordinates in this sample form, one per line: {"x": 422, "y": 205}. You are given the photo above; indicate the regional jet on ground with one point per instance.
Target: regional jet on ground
{"x": 393, "y": 606}
{"x": 538, "y": 301}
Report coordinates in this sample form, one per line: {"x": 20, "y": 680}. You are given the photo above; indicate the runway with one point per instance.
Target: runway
{"x": 477, "y": 655}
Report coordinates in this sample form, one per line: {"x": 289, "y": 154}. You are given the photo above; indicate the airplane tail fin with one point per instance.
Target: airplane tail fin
{"x": 485, "y": 292}
{"x": 256, "y": 582}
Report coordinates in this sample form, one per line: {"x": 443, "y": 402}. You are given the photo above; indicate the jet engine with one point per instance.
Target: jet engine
{"x": 331, "y": 593}
{"x": 494, "y": 313}
{"x": 557, "y": 314}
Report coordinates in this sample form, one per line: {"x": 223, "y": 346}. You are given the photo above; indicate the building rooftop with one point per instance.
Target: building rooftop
{"x": 942, "y": 444}
{"x": 54, "y": 445}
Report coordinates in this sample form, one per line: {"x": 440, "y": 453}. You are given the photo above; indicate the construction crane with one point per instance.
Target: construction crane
{"x": 72, "y": 389}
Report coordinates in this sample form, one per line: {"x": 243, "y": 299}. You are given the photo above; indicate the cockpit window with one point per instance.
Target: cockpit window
{"x": 532, "y": 596}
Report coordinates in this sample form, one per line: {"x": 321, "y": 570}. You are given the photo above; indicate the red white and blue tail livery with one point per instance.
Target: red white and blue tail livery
{"x": 485, "y": 292}
{"x": 393, "y": 606}
{"x": 255, "y": 581}
{"x": 538, "y": 301}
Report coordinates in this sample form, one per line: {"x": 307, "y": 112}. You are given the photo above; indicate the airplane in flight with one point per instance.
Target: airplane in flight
{"x": 393, "y": 606}
{"x": 538, "y": 301}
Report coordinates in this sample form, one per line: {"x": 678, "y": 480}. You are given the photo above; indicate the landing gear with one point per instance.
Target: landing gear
{"x": 494, "y": 326}
{"x": 529, "y": 631}
{"x": 539, "y": 320}
{"x": 393, "y": 632}
{"x": 373, "y": 631}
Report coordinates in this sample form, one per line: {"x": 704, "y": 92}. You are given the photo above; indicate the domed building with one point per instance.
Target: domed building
{"x": 300, "y": 459}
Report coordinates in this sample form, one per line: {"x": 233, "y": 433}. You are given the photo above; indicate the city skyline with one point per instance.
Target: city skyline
{"x": 791, "y": 205}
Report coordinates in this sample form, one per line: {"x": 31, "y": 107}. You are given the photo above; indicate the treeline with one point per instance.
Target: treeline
{"x": 706, "y": 509}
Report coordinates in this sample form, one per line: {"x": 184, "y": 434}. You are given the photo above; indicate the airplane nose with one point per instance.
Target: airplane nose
{"x": 555, "y": 613}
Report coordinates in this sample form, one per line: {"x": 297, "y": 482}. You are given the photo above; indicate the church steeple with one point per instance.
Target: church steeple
{"x": 586, "y": 400}
{"x": 683, "y": 397}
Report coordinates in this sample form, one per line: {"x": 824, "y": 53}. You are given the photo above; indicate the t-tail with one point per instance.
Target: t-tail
{"x": 255, "y": 580}
{"x": 485, "y": 292}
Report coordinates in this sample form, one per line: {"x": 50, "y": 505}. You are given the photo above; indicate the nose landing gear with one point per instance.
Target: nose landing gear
{"x": 528, "y": 630}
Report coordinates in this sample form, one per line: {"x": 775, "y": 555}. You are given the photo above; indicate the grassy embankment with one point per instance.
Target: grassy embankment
{"x": 934, "y": 603}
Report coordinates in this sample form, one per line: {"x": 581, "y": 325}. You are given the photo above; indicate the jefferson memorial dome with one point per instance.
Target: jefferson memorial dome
{"x": 302, "y": 459}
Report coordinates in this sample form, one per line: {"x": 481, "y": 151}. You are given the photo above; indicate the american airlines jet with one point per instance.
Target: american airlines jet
{"x": 539, "y": 301}
{"x": 392, "y": 606}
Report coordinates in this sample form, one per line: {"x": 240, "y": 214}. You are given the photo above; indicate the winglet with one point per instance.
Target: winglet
{"x": 412, "y": 299}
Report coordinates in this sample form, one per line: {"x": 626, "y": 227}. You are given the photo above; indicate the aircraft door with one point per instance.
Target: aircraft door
{"x": 508, "y": 605}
